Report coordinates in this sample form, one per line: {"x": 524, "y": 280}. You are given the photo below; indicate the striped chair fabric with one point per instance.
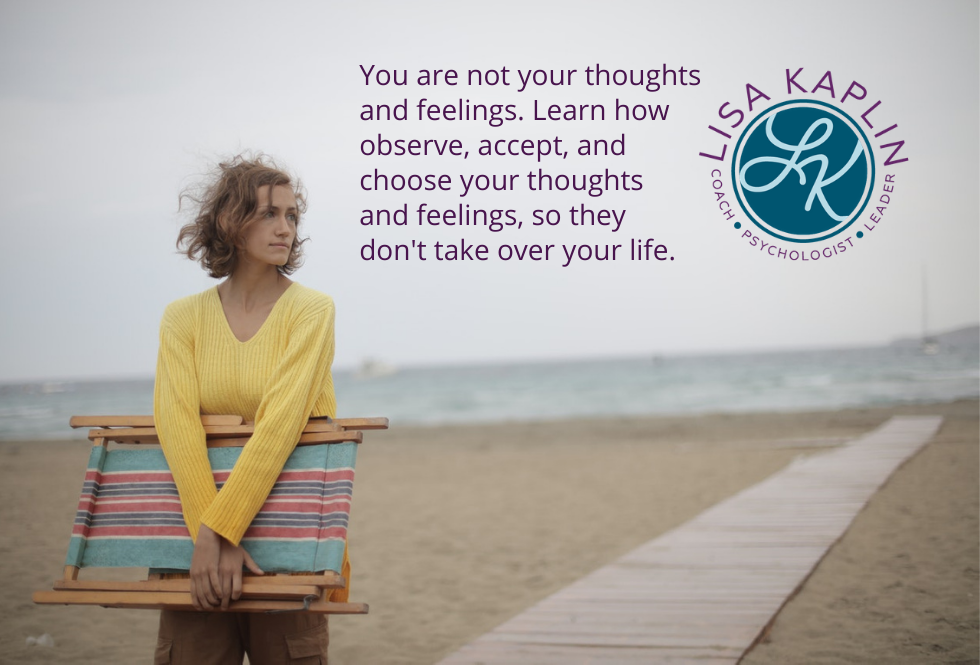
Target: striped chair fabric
{"x": 129, "y": 513}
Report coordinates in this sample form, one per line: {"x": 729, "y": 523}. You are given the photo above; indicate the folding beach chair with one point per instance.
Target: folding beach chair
{"x": 129, "y": 516}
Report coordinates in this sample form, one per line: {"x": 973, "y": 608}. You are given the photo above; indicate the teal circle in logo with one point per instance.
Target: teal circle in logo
{"x": 803, "y": 171}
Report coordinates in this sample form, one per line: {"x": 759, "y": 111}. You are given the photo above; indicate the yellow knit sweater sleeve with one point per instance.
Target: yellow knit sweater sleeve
{"x": 286, "y": 405}
{"x": 177, "y": 413}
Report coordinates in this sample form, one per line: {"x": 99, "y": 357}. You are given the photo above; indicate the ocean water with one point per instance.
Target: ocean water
{"x": 787, "y": 381}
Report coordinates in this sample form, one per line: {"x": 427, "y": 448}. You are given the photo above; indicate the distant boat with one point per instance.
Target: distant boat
{"x": 372, "y": 368}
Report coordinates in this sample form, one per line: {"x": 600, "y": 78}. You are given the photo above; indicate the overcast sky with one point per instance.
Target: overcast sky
{"x": 109, "y": 109}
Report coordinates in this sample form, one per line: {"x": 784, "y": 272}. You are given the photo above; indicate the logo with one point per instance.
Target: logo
{"x": 803, "y": 180}
{"x": 803, "y": 171}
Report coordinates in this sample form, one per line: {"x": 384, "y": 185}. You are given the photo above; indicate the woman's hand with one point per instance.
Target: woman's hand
{"x": 230, "y": 571}
{"x": 216, "y": 570}
{"x": 205, "y": 582}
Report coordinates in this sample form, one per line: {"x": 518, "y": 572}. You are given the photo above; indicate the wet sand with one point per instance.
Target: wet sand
{"x": 455, "y": 529}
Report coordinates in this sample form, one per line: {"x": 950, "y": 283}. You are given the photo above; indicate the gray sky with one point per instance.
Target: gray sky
{"x": 109, "y": 109}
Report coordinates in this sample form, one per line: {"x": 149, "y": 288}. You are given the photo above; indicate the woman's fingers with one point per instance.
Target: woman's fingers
{"x": 205, "y": 584}
{"x": 205, "y": 594}
{"x": 228, "y": 586}
{"x": 213, "y": 592}
{"x": 236, "y": 585}
{"x": 202, "y": 594}
{"x": 194, "y": 598}
{"x": 215, "y": 582}
{"x": 251, "y": 565}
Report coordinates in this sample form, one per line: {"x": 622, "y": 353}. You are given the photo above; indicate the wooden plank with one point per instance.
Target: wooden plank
{"x": 362, "y": 423}
{"x": 219, "y": 435}
{"x": 337, "y": 436}
{"x": 668, "y": 639}
{"x": 142, "y": 421}
{"x": 636, "y": 634}
{"x": 505, "y": 654}
{"x": 705, "y": 591}
{"x": 147, "y": 421}
{"x": 250, "y": 590}
{"x": 662, "y": 621}
{"x": 182, "y": 601}
{"x": 325, "y": 580}
{"x": 157, "y": 582}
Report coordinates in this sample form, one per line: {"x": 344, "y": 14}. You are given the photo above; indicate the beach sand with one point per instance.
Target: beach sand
{"x": 455, "y": 529}
{"x": 901, "y": 587}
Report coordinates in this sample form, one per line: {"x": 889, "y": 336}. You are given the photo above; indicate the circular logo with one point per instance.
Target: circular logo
{"x": 803, "y": 171}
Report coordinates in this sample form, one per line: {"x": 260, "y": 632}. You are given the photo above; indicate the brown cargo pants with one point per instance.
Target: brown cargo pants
{"x": 223, "y": 638}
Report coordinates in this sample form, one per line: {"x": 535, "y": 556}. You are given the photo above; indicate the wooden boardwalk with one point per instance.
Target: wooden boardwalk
{"x": 704, "y": 592}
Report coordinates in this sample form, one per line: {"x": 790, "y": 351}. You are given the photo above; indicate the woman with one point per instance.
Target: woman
{"x": 260, "y": 346}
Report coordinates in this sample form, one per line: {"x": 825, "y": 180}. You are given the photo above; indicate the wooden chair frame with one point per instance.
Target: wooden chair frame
{"x": 267, "y": 593}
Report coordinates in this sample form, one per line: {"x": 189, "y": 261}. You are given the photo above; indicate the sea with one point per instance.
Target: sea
{"x": 730, "y": 383}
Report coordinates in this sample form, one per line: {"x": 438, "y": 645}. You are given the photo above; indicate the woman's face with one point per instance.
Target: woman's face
{"x": 269, "y": 239}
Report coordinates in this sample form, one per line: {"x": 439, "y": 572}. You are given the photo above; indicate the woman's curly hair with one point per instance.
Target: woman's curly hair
{"x": 226, "y": 203}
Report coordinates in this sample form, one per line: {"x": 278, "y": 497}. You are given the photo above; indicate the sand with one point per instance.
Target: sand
{"x": 902, "y": 586}
{"x": 455, "y": 529}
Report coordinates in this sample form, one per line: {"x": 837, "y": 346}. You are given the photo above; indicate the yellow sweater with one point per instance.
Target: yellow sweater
{"x": 278, "y": 378}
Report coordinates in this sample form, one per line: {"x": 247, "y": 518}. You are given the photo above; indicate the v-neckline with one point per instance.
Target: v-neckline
{"x": 272, "y": 312}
